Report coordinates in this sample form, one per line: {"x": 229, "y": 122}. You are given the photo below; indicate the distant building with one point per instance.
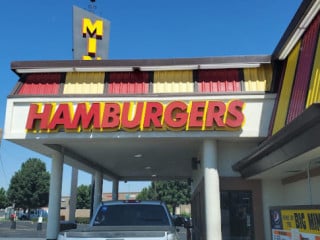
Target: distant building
{"x": 64, "y": 212}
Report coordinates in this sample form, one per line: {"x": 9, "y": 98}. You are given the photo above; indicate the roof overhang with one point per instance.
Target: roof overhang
{"x": 142, "y": 154}
{"x": 297, "y": 139}
{"x": 300, "y": 22}
{"x": 22, "y": 67}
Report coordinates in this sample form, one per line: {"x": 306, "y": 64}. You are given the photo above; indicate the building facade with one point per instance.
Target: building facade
{"x": 242, "y": 130}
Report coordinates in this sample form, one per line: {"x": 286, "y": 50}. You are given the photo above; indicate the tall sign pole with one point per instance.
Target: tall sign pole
{"x": 92, "y": 6}
{"x": 90, "y": 42}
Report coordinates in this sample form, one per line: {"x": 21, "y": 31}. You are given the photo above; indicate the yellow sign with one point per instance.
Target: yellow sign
{"x": 90, "y": 35}
{"x": 136, "y": 116}
{"x": 306, "y": 220}
{"x": 95, "y": 31}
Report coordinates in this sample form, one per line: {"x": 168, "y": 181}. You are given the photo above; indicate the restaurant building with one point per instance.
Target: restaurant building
{"x": 243, "y": 130}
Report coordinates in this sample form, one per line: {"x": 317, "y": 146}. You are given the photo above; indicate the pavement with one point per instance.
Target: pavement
{"x": 24, "y": 230}
{"x": 32, "y": 231}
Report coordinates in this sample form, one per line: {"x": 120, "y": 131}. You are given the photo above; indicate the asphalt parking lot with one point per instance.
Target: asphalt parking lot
{"x": 24, "y": 230}
{"x": 30, "y": 231}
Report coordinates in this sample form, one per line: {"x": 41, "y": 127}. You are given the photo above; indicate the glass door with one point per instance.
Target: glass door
{"x": 236, "y": 215}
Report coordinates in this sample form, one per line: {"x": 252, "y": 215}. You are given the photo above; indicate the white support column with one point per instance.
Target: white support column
{"x": 53, "y": 225}
{"x": 115, "y": 189}
{"x": 97, "y": 197}
{"x": 211, "y": 190}
{"x": 73, "y": 195}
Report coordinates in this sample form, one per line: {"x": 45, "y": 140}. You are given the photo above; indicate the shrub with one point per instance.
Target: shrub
{"x": 82, "y": 220}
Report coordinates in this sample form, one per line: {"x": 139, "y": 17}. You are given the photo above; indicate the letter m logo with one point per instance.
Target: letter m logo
{"x": 92, "y": 29}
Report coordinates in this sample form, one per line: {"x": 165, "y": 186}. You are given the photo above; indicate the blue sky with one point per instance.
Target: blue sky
{"x": 140, "y": 29}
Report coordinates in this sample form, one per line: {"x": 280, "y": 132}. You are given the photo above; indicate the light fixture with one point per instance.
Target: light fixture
{"x": 139, "y": 155}
{"x": 194, "y": 163}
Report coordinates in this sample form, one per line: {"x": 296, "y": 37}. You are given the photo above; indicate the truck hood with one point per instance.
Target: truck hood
{"x": 120, "y": 232}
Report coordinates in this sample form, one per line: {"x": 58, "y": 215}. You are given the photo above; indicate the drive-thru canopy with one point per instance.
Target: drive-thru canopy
{"x": 243, "y": 130}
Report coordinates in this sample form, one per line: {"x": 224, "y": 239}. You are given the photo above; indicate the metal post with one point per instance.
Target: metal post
{"x": 97, "y": 190}
{"x": 53, "y": 225}
{"x": 115, "y": 189}
{"x": 211, "y": 190}
{"x": 73, "y": 195}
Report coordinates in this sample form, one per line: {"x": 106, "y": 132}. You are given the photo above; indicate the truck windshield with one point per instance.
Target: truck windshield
{"x": 131, "y": 215}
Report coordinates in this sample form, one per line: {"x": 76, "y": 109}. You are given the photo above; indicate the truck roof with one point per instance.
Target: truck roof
{"x": 124, "y": 202}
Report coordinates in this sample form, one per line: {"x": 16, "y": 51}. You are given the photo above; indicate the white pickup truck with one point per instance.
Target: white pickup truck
{"x": 127, "y": 220}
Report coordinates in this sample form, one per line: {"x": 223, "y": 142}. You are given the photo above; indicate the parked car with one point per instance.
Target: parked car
{"x": 125, "y": 220}
{"x": 23, "y": 216}
{"x": 32, "y": 214}
{"x": 178, "y": 220}
{"x": 181, "y": 221}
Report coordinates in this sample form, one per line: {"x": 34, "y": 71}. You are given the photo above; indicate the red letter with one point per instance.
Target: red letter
{"x": 111, "y": 116}
{"x": 215, "y": 113}
{"x": 196, "y": 114}
{"x": 134, "y": 123}
{"x": 61, "y": 117}
{"x": 235, "y": 115}
{"x": 34, "y": 116}
{"x": 86, "y": 117}
{"x": 175, "y": 115}
{"x": 154, "y": 111}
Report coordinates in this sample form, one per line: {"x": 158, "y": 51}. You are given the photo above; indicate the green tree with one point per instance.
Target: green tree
{"x": 147, "y": 193}
{"x": 29, "y": 186}
{"x": 172, "y": 192}
{"x": 3, "y": 198}
{"x": 84, "y": 196}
